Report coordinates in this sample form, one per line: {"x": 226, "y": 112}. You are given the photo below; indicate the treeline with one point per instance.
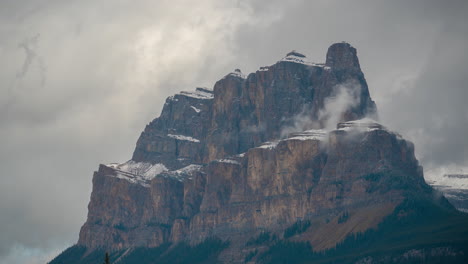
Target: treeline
{"x": 182, "y": 253}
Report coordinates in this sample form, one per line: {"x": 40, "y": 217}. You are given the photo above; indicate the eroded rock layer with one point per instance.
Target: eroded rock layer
{"x": 256, "y": 154}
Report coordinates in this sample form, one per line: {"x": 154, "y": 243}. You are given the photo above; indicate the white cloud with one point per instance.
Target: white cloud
{"x": 343, "y": 98}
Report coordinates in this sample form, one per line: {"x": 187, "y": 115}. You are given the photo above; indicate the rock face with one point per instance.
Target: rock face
{"x": 177, "y": 138}
{"x": 243, "y": 111}
{"x": 251, "y": 156}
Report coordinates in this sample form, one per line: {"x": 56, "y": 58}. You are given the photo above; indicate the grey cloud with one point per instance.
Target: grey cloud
{"x": 110, "y": 66}
{"x": 432, "y": 110}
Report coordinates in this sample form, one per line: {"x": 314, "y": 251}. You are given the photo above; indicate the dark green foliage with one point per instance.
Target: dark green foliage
{"x": 182, "y": 253}
{"x": 208, "y": 250}
{"x": 422, "y": 222}
{"x": 120, "y": 227}
{"x": 205, "y": 252}
{"x": 250, "y": 256}
{"x": 297, "y": 228}
{"x": 261, "y": 239}
{"x": 395, "y": 180}
{"x": 70, "y": 255}
{"x": 77, "y": 255}
{"x": 145, "y": 255}
{"x": 107, "y": 259}
{"x": 343, "y": 217}
{"x": 287, "y": 252}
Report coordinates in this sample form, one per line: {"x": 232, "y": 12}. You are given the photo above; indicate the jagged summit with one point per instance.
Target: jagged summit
{"x": 339, "y": 56}
{"x": 342, "y": 56}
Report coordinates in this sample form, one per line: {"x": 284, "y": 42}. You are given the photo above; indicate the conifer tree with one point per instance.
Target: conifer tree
{"x": 107, "y": 259}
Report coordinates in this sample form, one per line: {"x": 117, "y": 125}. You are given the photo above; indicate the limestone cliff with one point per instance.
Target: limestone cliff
{"x": 256, "y": 155}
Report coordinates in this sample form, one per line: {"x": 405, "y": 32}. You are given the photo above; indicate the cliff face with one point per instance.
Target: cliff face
{"x": 244, "y": 111}
{"x": 256, "y": 155}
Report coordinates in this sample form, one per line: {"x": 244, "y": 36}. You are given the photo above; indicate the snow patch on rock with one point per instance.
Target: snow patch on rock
{"x": 365, "y": 124}
{"x": 313, "y": 134}
{"x": 297, "y": 57}
{"x": 269, "y": 145}
{"x": 183, "y": 173}
{"x": 137, "y": 172}
{"x": 199, "y": 93}
{"x": 195, "y": 109}
{"x": 185, "y": 138}
{"x": 229, "y": 161}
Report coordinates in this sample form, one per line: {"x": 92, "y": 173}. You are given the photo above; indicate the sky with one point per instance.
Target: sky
{"x": 79, "y": 80}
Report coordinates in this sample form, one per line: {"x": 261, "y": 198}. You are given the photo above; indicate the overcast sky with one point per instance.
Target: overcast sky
{"x": 80, "y": 79}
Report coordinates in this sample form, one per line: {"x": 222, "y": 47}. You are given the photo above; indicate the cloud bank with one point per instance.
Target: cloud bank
{"x": 80, "y": 79}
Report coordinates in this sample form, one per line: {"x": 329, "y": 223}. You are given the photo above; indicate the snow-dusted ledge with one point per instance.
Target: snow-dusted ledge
{"x": 313, "y": 134}
{"x": 137, "y": 172}
{"x": 182, "y": 137}
{"x": 142, "y": 172}
{"x": 199, "y": 93}
{"x": 297, "y": 57}
{"x": 183, "y": 173}
{"x": 269, "y": 145}
{"x": 228, "y": 161}
{"x": 365, "y": 124}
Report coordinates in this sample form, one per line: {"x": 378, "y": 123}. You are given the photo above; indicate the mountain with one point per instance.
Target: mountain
{"x": 285, "y": 165}
{"x": 454, "y": 187}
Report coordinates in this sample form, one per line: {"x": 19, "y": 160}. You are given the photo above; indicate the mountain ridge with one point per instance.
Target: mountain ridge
{"x": 264, "y": 153}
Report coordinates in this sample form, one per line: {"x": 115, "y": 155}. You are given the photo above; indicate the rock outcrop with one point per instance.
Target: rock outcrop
{"x": 255, "y": 155}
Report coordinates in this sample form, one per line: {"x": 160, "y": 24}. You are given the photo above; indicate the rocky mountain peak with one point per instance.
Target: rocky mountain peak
{"x": 254, "y": 156}
{"x": 342, "y": 56}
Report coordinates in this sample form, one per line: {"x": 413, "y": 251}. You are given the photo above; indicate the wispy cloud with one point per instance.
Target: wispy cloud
{"x": 343, "y": 98}
{"x": 29, "y": 47}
